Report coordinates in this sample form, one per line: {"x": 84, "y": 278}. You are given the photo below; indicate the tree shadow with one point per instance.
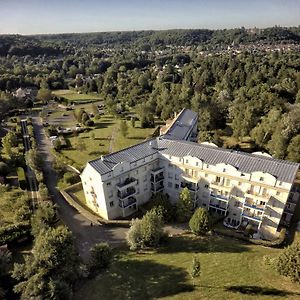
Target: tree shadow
{"x": 259, "y": 291}
{"x": 103, "y": 125}
{"x": 136, "y": 279}
{"x": 206, "y": 244}
{"x": 136, "y": 137}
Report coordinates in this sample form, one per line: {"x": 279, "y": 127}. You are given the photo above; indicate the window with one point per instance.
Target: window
{"x": 170, "y": 157}
{"x": 170, "y": 175}
{"x": 169, "y": 184}
{"x": 277, "y": 193}
{"x": 204, "y": 204}
{"x": 207, "y": 166}
{"x": 136, "y": 172}
{"x": 145, "y": 168}
{"x": 108, "y": 183}
{"x": 145, "y": 188}
{"x": 176, "y": 177}
{"x": 186, "y": 161}
{"x": 280, "y": 183}
{"x": 84, "y": 182}
{"x": 242, "y": 174}
{"x": 262, "y": 203}
{"x": 170, "y": 166}
{"x": 205, "y": 175}
{"x": 261, "y": 179}
{"x": 110, "y": 194}
{"x": 197, "y": 164}
{"x": 239, "y": 183}
{"x": 111, "y": 203}
{"x": 206, "y": 186}
{"x": 145, "y": 178}
{"x": 90, "y": 178}
{"x": 151, "y": 156}
{"x": 224, "y": 170}
{"x": 176, "y": 186}
{"x": 137, "y": 190}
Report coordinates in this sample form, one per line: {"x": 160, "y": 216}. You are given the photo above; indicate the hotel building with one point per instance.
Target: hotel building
{"x": 246, "y": 188}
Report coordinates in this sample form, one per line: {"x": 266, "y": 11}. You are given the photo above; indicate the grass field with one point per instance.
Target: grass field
{"x": 107, "y": 135}
{"x": 72, "y": 95}
{"x": 230, "y": 270}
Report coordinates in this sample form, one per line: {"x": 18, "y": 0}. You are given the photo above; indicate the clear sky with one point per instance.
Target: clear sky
{"x": 53, "y": 16}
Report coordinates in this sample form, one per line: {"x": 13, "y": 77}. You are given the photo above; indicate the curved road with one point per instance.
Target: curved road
{"x": 85, "y": 234}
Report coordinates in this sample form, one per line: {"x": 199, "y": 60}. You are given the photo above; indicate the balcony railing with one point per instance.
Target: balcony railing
{"x": 157, "y": 187}
{"x": 219, "y": 197}
{"x": 254, "y": 206}
{"x": 264, "y": 195}
{"x": 191, "y": 186}
{"x": 217, "y": 206}
{"x": 131, "y": 201}
{"x": 125, "y": 194}
{"x": 157, "y": 170}
{"x": 157, "y": 178}
{"x": 127, "y": 183}
{"x": 253, "y": 217}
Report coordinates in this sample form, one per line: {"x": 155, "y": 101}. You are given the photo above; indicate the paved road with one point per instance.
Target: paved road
{"x": 85, "y": 235}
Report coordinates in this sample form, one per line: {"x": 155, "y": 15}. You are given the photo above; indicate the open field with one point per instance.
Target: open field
{"x": 72, "y": 95}
{"x": 103, "y": 138}
{"x": 230, "y": 270}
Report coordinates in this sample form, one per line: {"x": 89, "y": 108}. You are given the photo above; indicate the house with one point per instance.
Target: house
{"x": 246, "y": 188}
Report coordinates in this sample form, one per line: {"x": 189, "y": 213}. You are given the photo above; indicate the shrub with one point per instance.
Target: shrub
{"x": 89, "y": 122}
{"x": 101, "y": 255}
{"x": 146, "y": 232}
{"x": 288, "y": 262}
{"x": 200, "y": 222}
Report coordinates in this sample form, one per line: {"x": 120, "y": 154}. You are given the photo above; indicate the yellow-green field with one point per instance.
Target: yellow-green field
{"x": 230, "y": 269}
{"x": 72, "y": 95}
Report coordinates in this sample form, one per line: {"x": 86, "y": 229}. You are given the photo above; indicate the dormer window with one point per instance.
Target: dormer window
{"x": 261, "y": 179}
{"x": 186, "y": 161}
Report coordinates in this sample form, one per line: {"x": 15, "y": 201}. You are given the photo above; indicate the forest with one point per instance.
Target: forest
{"x": 244, "y": 83}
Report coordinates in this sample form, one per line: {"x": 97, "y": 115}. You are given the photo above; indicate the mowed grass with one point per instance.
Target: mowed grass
{"x": 230, "y": 269}
{"x": 107, "y": 137}
{"x": 72, "y": 95}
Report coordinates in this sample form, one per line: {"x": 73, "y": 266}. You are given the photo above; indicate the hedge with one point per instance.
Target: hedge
{"x": 22, "y": 178}
{"x": 13, "y": 232}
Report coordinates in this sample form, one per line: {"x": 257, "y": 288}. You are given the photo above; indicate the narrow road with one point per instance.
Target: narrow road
{"x": 85, "y": 234}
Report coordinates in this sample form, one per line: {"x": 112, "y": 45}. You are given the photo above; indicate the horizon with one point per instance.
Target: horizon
{"x": 35, "y": 17}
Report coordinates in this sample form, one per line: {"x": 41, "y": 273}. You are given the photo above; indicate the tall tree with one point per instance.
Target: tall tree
{"x": 185, "y": 206}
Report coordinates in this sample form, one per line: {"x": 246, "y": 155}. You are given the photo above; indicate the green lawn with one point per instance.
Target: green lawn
{"x": 72, "y": 95}
{"x": 104, "y": 129}
{"x": 230, "y": 270}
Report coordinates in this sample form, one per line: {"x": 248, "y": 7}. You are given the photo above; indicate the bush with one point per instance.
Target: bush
{"x": 22, "y": 178}
{"x": 101, "y": 255}
{"x": 71, "y": 178}
{"x": 288, "y": 262}
{"x": 200, "y": 222}
{"x": 89, "y": 122}
{"x": 13, "y": 232}
{"x": 146, "y": 232}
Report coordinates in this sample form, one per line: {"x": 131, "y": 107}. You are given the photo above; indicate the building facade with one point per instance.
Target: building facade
{"x": 246, "y": 188}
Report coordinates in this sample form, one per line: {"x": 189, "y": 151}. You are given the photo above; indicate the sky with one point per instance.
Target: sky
{"x": 58, "y": 16}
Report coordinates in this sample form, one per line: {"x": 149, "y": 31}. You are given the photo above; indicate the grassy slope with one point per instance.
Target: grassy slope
{"x": 230, "y": 270}
{"x": 74, "y": 96}
{"x": 103, "y": 131}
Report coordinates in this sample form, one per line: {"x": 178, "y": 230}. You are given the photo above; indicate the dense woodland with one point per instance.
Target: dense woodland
{"x": 244, "y": 83}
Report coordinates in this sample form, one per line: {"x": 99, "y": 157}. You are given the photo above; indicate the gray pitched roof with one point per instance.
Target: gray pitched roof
{"x": 183, "y": 125}
{"x": 283, "y": 170}
{"x": 131, "y": 154}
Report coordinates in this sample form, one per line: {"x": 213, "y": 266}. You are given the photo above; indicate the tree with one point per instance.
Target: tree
{"x": 44, "y": 95}
{"x": 184, "y": 209}
{"x": 43, "y": 218}
{"x": 51, "y": 270}
{"x": 294, "y": 149}
{"x": 146, "y": 232}
{"x": 288, "y": 262}
{"x": 8, "y": 142}
{"x": 100, "y": 258}
{"x": 124, "y": 128}
{"x": 132, "y": 121}
{"x": 5, "y": 260}
{"x": 200, "y": 222}
{"x": 4, "y": 170}
{"x": 196, "y": 269}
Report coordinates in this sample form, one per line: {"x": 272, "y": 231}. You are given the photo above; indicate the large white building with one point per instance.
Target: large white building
{"x": 246, "y": 188}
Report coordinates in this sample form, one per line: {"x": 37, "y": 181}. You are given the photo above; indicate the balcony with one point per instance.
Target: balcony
{"x": 157, "y": 187}
{"x": 253, "y": 205}
{"x": 252, "y": 216}
{"x": 130, "y": 202}
{"x": 189, "y": 178}
{"x": 217, "y": 206}
{"x": 157, "y": 178}
{"x": 157, "y": 171}
{"x": 219, "y": 197}
{"x": 129, "y": 182}
{"x": 263, "y": 196}
{"x": 126, "y": 193}
{"x": 193, "y": 187}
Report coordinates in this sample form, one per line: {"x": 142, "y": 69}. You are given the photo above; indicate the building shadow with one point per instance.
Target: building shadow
{"x": 136, "y": 279}
{"x": 259, "y": 291}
